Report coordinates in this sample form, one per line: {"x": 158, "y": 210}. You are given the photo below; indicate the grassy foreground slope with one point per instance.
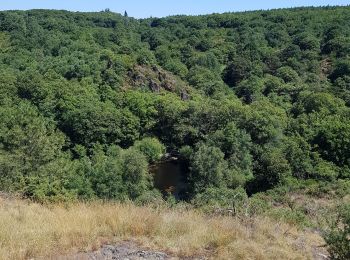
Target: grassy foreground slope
{"x": 30, "y": 230}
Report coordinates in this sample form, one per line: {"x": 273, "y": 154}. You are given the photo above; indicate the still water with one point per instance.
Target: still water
{"x": 169, "y": 177}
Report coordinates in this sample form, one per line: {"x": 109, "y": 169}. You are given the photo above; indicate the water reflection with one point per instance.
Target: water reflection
{"x": 169, "y": 177}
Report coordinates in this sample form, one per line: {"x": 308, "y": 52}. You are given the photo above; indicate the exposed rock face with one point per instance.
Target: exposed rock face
{"x": 184, "y": 95}
{"x": 157, "y": 79}
{"x": 154, "y": 86}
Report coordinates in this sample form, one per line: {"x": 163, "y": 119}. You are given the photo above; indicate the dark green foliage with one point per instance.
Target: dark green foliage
{"x": 265, "y": 122}
{"x": 333, "y": 140}
{"x": 136, "y": 179}
{"x": 342, "y": 69}
{"x": 287, "y": 74}
{"x": 247, "y": 100}
{"x": 250, "y": 89}
{"x": 236, "y": 71}
{"x": 89, "y": 123}
{"x": 29, "y": 144}
{"x": 236, "y": 145}
{"x": 208, "y": 168}
{"x": 272, "y": 168}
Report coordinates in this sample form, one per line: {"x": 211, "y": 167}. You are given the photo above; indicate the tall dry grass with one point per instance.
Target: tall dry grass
{"x": 29, "y": 230}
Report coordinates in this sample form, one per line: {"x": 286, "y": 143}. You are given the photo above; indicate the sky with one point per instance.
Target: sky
{"x": 161, "y": 8}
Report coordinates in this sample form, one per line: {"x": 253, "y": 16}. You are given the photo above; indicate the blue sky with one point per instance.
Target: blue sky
{"x": 160, "y": 8}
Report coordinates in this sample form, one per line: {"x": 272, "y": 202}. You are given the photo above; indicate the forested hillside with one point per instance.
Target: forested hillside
{"x": 248, "y": 102}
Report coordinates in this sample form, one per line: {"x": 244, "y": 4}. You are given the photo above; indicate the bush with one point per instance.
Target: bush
{"x": 258, "y": 204}
{"x": 136, "y": 179}
{"x": 222, "y": 198}
{"x": 151, "y": 148}
{"x": 291, "y": 216}
{"x": 177, "y": 67}
{"x": 151, "y": 197}
{"x": 338, "y": 238}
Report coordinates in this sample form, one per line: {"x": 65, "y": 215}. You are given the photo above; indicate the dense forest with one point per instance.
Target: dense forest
{"x": 248, "y": 102}
{"x": 254, "y": 105}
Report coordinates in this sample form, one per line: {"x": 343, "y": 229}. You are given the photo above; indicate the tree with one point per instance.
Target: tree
{"x": 176, "y": 67}
{"x": 333, "y": 140}
{"x": 272, "y": 168}
{"x": 237, "y": 70}
{"x": 298, "y": 154}
{"x": 250, "y": 89}
{"x": 12, "y": 21}
{"x": 318, "y": 102}
{"x": 118, "y": 174}
{"x": 143, "y": 106}
{"x": 288, "y": 74}
{"x": 306, "y": 41}
{"x": 136, "y": 179}
{"x": 342, "y": 68}
{"x": 236, "y": 145}
{"x": 204, "y": 79}
{"x": 265, "y": 122}
{"x": 106, "y": 174}
{"x": 88, "y": 123}
{"x": 207, "y": 168}
{"x": 29, "y": 143}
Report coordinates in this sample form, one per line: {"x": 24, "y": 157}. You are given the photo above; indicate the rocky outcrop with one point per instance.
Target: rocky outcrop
{"x": 156, "y": 79}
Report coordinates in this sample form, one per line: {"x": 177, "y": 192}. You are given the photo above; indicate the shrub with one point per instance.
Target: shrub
{"x": 222, "y": 198}
{"x": 338, "y": 238}
{"x": 291, "y": 216}
{"x": 151, "y": 148}
{"x": 151, "y": 197}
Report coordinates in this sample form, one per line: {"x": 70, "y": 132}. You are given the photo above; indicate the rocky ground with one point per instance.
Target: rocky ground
{"x": 125, "y": 250}
{"x": 128, "y": 250}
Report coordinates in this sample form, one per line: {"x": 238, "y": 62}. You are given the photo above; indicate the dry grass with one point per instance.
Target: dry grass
{"x": 29, "y": 230}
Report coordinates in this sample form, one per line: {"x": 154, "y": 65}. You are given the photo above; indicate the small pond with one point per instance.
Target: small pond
{"x": 169, "y": 177}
